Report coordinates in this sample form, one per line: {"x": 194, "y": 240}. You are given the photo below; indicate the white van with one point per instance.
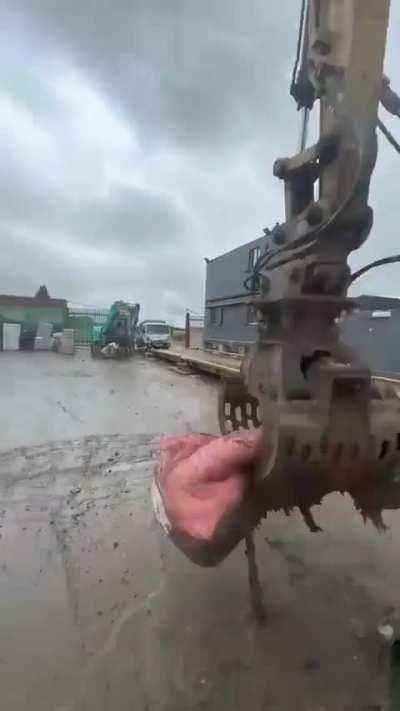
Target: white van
{"x": 153, "y": 334}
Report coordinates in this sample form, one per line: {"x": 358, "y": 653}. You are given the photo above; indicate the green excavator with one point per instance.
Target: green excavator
{"x": 116, "y": 337}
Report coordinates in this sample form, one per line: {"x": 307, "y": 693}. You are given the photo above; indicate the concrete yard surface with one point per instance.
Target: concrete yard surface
{"x": 98, "y": 610}
{"x": 47, "y": 396}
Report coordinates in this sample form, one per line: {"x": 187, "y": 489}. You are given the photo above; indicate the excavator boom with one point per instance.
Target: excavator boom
{"x": 323, "y": 414}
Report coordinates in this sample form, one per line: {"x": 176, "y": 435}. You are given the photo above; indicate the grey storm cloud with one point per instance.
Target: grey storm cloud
{"x": 187, "y": 72}
{"x": 137, "y": 138}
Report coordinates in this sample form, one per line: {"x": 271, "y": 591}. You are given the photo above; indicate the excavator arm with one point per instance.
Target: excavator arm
{"x": 323, "y": 414}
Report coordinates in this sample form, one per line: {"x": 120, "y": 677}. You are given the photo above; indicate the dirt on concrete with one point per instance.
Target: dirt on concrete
{"x": 98, "y": 611}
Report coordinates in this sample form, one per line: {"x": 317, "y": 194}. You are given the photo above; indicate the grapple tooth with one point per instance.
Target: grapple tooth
{"x": 237, "y": 409}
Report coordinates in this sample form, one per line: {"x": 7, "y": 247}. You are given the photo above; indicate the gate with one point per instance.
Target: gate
{"x": 83, "y": 321}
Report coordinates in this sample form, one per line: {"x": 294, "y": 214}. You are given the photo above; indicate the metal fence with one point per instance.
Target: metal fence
{"x": 83, "y": 321}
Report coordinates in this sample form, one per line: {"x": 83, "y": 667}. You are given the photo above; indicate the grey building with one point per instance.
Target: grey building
{"x": 229, "y": 321}
{"x": 230, "y": 324}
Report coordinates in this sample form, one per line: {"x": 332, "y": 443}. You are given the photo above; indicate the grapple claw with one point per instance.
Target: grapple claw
{"x": 348, "y": 437}
{"x": 237, "y": 409}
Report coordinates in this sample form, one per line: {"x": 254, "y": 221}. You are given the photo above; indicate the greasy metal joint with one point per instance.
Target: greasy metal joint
{"x": 279, "y": 235}
{"x": 281, "y": 168}
{"x": 322, "y": 45}
{"x": 316, "y": 213}
{"x": 265, "y": 284}
{"x": 390, "y": 100}
{"x": 328, "y": 147}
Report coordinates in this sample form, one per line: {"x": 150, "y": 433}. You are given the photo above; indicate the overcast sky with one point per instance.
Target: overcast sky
{"x": 137, "y": 138}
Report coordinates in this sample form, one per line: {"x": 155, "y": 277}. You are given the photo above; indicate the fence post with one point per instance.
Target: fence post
{"x": 187, "y": 330}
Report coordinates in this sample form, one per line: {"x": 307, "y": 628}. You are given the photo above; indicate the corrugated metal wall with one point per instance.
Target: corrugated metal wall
{"x": 377, "y": 339}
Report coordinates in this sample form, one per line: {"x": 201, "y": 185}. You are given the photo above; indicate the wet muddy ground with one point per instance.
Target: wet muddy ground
{"x": 99, "y": 612}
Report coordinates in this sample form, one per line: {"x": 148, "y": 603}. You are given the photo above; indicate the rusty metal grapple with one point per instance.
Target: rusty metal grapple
{"x": 325, "y": 418}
